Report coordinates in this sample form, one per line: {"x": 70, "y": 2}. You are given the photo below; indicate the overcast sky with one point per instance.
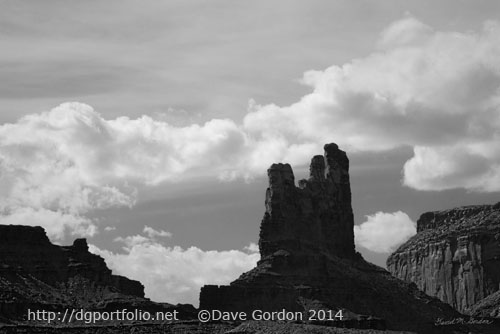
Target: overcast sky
{"x": 147, "y": 127}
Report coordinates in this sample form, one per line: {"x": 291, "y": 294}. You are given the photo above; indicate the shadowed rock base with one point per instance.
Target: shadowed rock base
{"x": 308, "y": 260}
{"x": 37, "y": 275}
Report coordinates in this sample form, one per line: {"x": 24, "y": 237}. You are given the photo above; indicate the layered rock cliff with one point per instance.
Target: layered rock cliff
{"x": 35, "y": 274}
{"x": 308, "y": 259}
{"x": 26, "y": 251}
{"x": 455, "y": 255}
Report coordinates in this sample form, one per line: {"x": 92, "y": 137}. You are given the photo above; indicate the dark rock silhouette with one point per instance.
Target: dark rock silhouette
{"x": 488, "y": 307}
{"x": 35, "y": 274}
{"x": 27, "y": 251}
{"x": 308, "y": 260}
{"x": 455, "y": 255}
{"x": 317, "y": 216}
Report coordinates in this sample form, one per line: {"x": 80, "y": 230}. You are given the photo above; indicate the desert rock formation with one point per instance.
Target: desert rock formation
{"x": 455, "y": 255}
{"x": 308, "y": 260}
{"x": 36, "y": 274}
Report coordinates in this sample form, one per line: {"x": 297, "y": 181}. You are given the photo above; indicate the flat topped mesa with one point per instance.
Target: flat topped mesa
{"x": 454, "y": 256}
{"x": 444, "y": 218}
{"x": 315, "y": 217}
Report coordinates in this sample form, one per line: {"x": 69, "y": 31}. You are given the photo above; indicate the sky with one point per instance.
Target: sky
{"x": 148, "y": 128}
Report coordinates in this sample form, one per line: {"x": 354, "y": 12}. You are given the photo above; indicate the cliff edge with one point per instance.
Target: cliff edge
{"x": 38, "y": 275}
{"x": 455, "y": 255}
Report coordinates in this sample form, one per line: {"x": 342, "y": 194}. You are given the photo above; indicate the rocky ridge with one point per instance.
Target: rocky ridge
{"x": 455, "y": 255}
{"x": 308, "y": 259}
{"x": 35, "y": 274}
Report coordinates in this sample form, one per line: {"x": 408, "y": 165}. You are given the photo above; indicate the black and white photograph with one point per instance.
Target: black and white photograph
{"x": 250, "y": 167}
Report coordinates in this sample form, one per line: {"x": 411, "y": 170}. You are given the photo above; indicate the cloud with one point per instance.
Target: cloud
{"x": 55, "y": 223}
{"x": 383, "y": 232}
{"x": 252, "y": 248}
{"x": 173, "y": 274}
{"x": 466, "y": 166}
{"x": 432, "y": 90}
{"x": 150, "y": 238}
{"x": 70, "y": 160}
{"x": 405, "y": 32}
{"x": 152, "y": 233}
{"x": 435, "y": 91}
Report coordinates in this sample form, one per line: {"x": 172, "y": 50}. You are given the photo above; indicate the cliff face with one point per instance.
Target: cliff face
{"x": 455, "y": 255}
{"x": 308, "y": 260}
{"x": 34, "y": 273}
{"x": 26, "y": 251}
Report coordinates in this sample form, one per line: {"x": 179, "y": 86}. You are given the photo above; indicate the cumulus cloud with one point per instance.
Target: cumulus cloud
{"x": 151, "y": 237}
{"x": 55, "y": 223}
{"x": 174, "y": 274}
{"x": 408, "y": 31}
{"x": 152, "y": 233}
{"x": 70, "y": 160}
{"x": 383, "y": 232}
{"x": 446, "y": 167}
{"x": 436, "y": 91}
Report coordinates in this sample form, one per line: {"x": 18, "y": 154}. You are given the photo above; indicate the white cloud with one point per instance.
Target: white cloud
{"x": 70, "y": 160}
{"x": 152, "y": 233}
{"x": 405, "y": 32}
{"x": 383, "y": 232}
{"x": 133, "y": 240}
{"x": 55, "y": 223}
{"x": 252, "y": 248}
{"x": 466, "y": 166}
{"x": 150, "y": 238}
{"x": 438, "y": 92}
{"x": 174, "y": 274}
{"x": 426, "y": 89}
